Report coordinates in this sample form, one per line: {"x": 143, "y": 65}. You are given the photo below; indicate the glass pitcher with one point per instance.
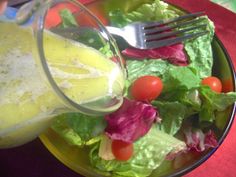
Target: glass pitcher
{"x": 56, "y": 57}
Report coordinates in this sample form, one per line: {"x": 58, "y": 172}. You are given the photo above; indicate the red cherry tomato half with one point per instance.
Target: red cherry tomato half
{"x": 146, "y": 88}
{"x": 213, "y": 82}
{"x": 122, "y": 151}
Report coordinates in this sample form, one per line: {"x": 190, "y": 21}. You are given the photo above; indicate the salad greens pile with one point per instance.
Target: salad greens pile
{"x": 181, "y": 119}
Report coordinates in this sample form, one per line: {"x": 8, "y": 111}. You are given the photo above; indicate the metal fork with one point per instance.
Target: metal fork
{"x": 150, "y": 35}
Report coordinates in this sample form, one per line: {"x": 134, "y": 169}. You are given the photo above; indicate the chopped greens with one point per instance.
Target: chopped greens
{"x": 78, "y": 129}
{"x": 68, "y": 20}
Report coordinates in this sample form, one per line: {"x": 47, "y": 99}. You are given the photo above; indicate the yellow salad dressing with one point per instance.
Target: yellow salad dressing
{"x": 27, "y": 103}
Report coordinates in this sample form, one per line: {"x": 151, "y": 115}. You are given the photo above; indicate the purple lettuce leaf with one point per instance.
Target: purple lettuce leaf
{"x": 131, "y": 121}
{"x": 198, "y": 141}
{"x": 175, "y": 54}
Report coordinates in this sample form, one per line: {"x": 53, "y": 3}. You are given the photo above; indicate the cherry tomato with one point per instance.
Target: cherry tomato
{"x": 122, "y": 151}
{"x": 146, "y": 88}
{"x": 53, "y": 17}
{"x": 213, "y": 82}
{"x": 100, "y": 14}
{"x": 85, "y": 20}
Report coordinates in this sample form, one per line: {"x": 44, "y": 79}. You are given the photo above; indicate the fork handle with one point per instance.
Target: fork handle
{"x": 115, "y": 31}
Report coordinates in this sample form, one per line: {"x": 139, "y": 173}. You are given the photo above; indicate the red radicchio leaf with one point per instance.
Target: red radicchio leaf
{"x": 198, "y": 141}
{"x": 174, "y": 54}
{"x": 210, "y": 139}
{"x": 132, "y": 121}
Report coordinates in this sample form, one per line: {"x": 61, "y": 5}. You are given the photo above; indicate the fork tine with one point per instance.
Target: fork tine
{"x": 164, "y": 28}
{"x": 167, "y": 21}
{"x": 172, "y": 34}
{"x": 171, "y": 41}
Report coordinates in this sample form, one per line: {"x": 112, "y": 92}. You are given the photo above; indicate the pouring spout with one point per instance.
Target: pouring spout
{"x": 26, "y": 12}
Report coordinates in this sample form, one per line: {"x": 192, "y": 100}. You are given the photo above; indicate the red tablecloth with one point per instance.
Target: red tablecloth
{"x": 34, "y": 160}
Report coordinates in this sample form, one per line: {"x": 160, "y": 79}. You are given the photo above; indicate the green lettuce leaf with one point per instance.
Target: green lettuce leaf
{"x": 106, "y": 50}
{"x": 138, "y": 68}
{"x": 172, "y": 115}
{"x": 68, "y": 19}
{"x": 199, "y": 49}
{"x": 149, "y": 153}
{"x": 180, "y": 78}
{"x": 212, "y": 102}
{"x": 118, "y": 18}
{"x": 155, "y": 11}
{"x": 78, "y": 129}
{"x": 176, "y": 106}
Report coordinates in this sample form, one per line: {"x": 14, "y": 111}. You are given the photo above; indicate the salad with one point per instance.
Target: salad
{"x": 170, "y": 105}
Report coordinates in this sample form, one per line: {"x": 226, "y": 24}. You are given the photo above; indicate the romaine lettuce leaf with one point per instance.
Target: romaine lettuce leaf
{"x": 172, "y": 115}
{"x": 176, "y": 106}
{"x": 212, "y": 102}
{"x": 149, "y": 153}
{"x": 200, "y": 49}
{"x": 157, "y": 10}
{"x": 180, "y": 78}
{"x": 138, "y": 68}
{"x": 78, "y": 129}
